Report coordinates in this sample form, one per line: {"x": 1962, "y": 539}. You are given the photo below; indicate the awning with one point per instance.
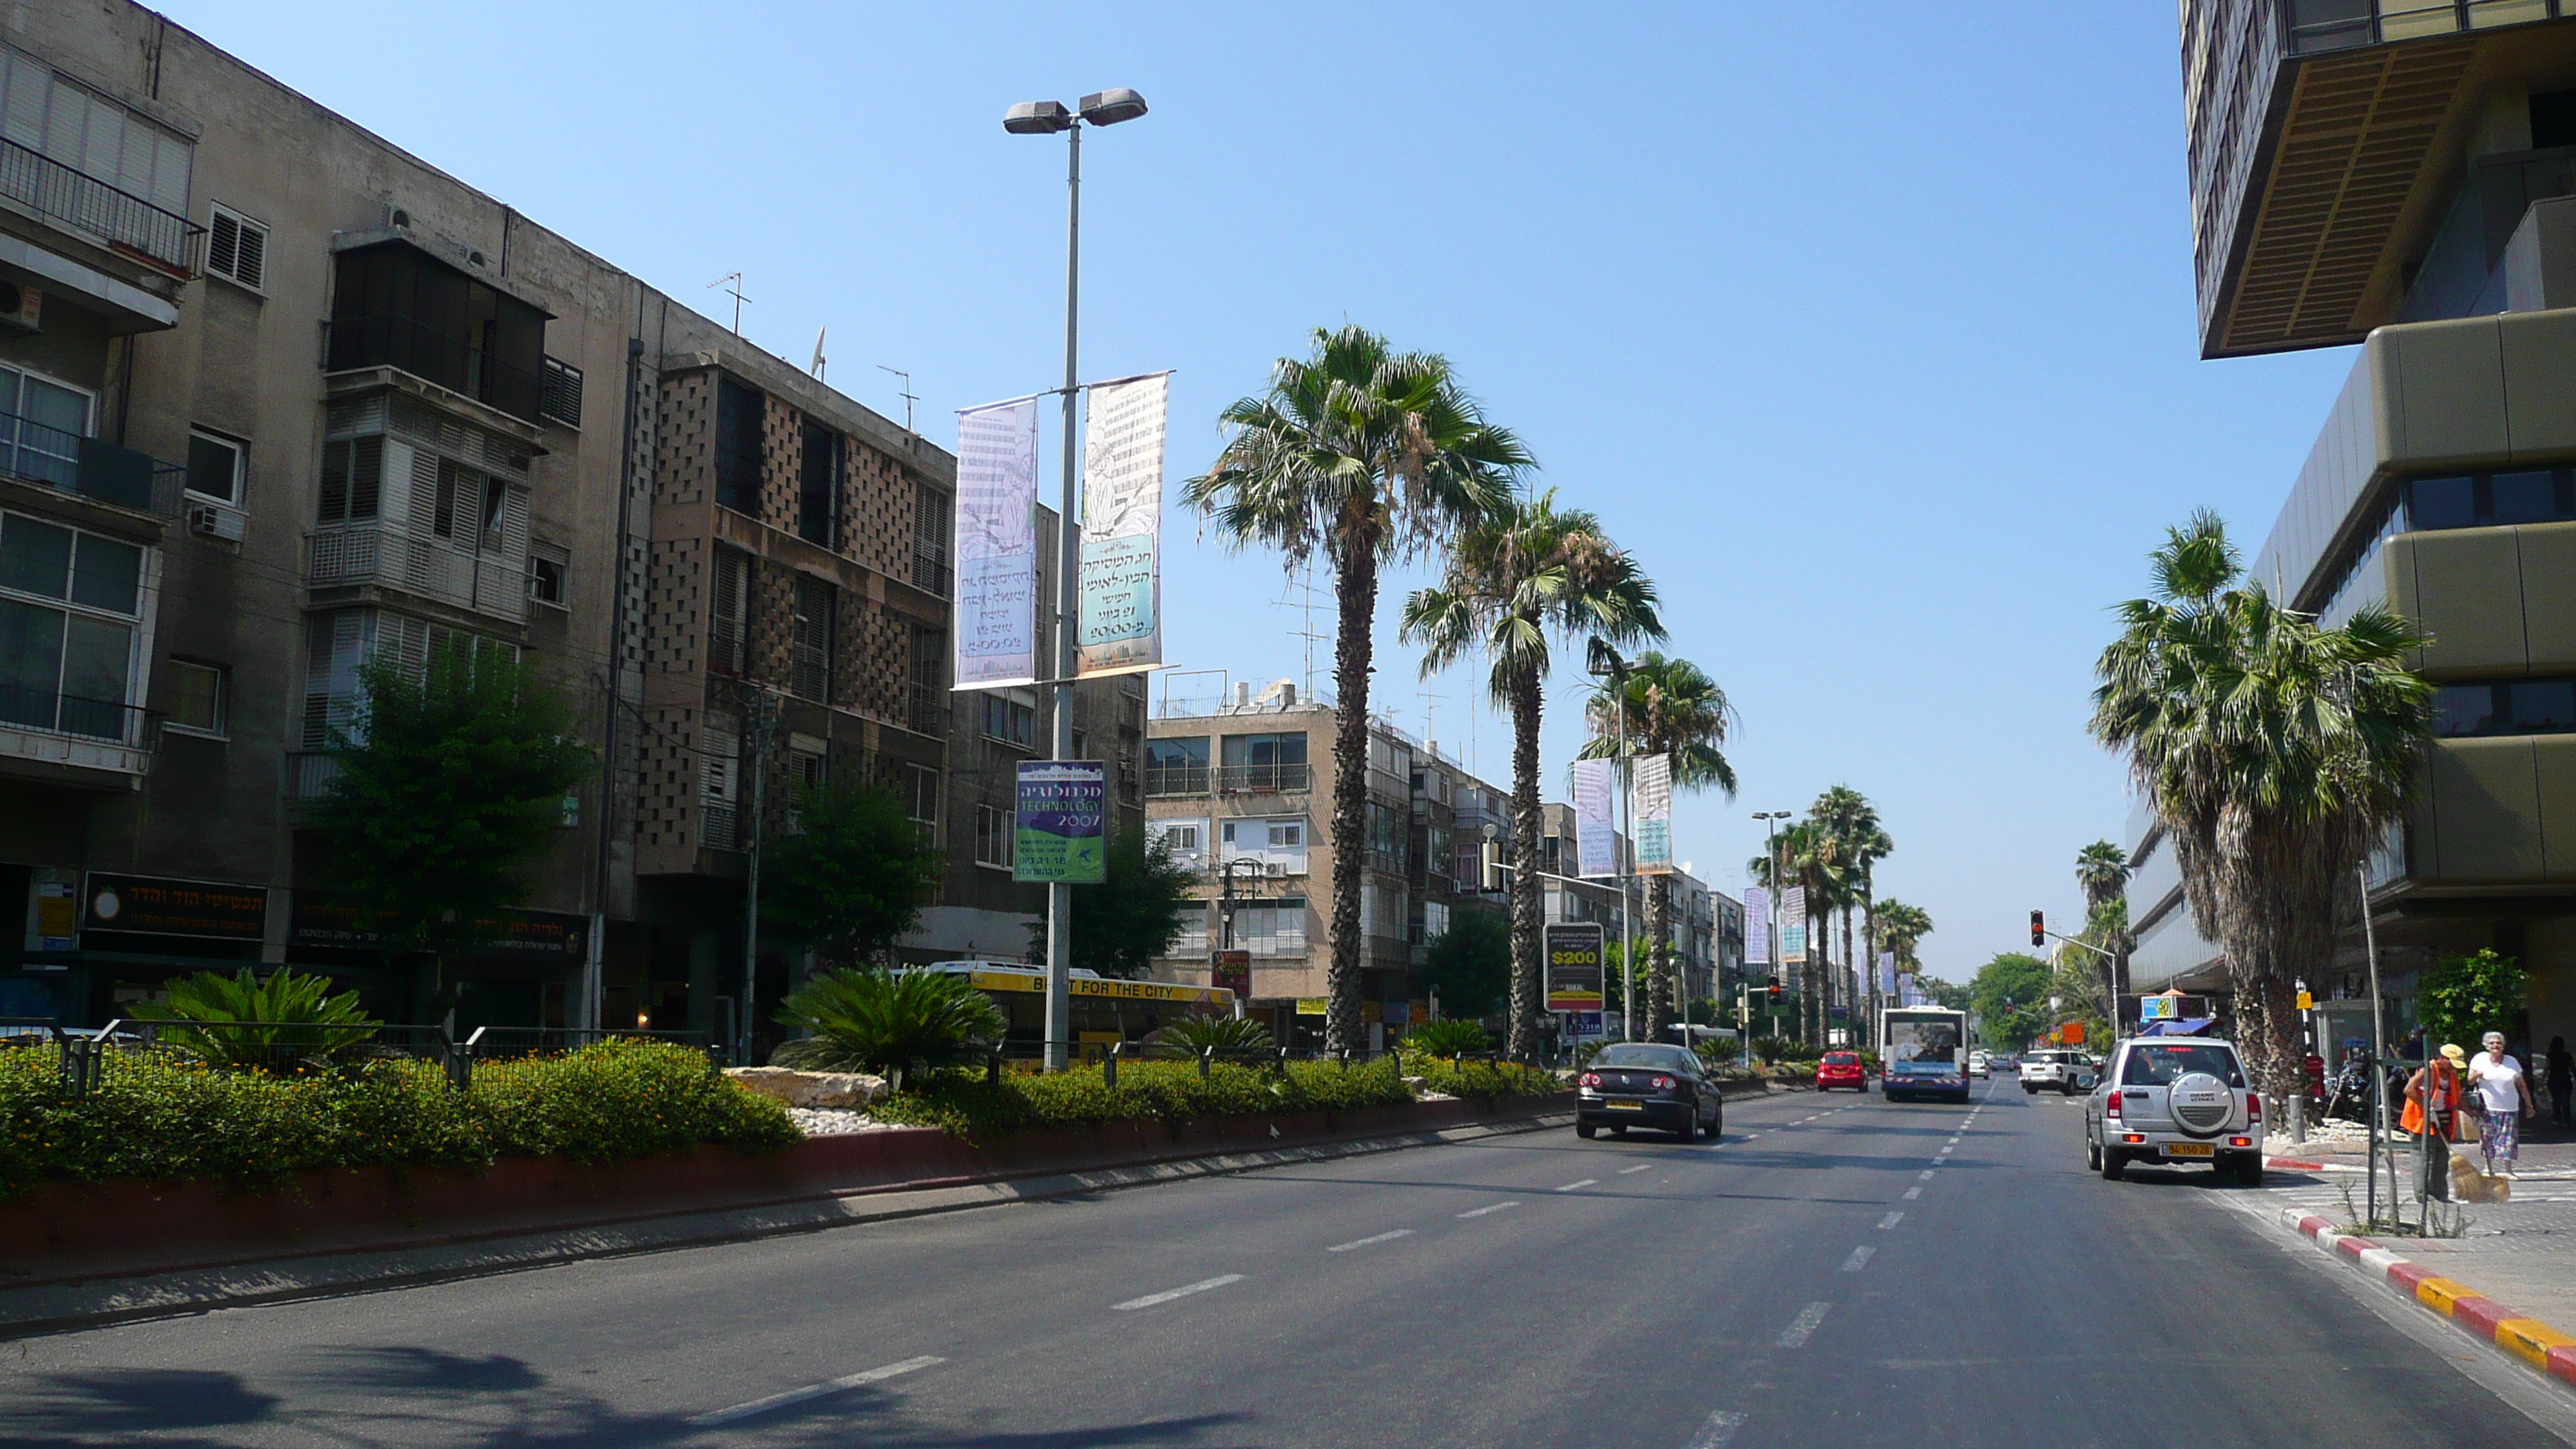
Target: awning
{"x": 2193, "y": 1027}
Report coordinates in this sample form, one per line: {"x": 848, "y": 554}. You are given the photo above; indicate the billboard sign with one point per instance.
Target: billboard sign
{"x": 1575, "y": 954}
{"x": 1060, "y": 833}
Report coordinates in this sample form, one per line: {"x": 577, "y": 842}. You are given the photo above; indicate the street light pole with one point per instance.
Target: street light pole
{"x": 1771, "y": 927}
{"x": 1039, "y": 118}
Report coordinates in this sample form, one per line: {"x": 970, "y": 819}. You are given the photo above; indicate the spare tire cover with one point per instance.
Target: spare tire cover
{"x": 2200, "y": 1104}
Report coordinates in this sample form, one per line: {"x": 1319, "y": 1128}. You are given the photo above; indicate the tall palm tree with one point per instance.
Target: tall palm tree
{"x": 1363, "y": 455}
{"x": 1860, "y": 842}
{"x": 2102, "y": 869}
{"x": 1516, "y": 579}
{"x": 1804, "y": 857}
{"x": 2275, "y": 752}
{"x": 1675, "y": 710}
{"x": 1901, "y": 927}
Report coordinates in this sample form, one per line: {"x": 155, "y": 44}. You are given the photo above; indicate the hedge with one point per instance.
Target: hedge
{"x": 967, "y": 1105}
{"x": 1481, "y": 1081}
{"x": 159, "y": 1114}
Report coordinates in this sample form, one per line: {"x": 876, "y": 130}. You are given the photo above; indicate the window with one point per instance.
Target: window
{"x": 931, "y": 522}
{"x": 720, "y": 780}
{"x": 2511, "y": 707}
{"x": 809, "y": 641}
{"x": 394, "y": 305}
{"x": 344, "y": 639}
{"x": 66, "y": 663}
{"x": 808, "y": 770}
{"x": 442, "y": 519}
{"x": 1287, "y": 834}
{"x": 196, "y": 697}
{"x": 353, "y": 479}
{"x": 818, "y": 487}
{"x": 1010, "y": 721}
{"x": 2539, "y": 495}
{"x": 1265, "y": 762}
{"x": 548, "y": 567}
{"x": 237, "y": 248}
{"x": 725, "y": 633}
{"x": 496, "y": 516}
{"x": 739, "y": 459}
{"x": 216, "y": 466}
{"x": 921, "y": 796}
{"x": 1178, "y": 838}
{"x": 56, "y": 118}
{"x": 1176, "y": 767}
{"x": 40, "y": 438}
{"x": 560, "y": 399}
{"x": 993, "y": 837}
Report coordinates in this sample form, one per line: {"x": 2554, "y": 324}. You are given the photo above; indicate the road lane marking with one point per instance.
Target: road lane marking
{"x": 1168, "y": 1294}
{"x": 1488, "y": 1208}
{"x": 1913, "y": 1192}
{"x": 1797, "y": 1333}
{"x": 1718, "y": 1432}
{"x": 1586, "y": 1182}
{"x": 1891, "y": 1220}
{"x": 1858, "y": 1260}
{"x": 1925, "y": 1175}
{"x": 813, "y": 1391}
{"x": 1365, "y": 1242}
{"x": 1640, "y": 1167}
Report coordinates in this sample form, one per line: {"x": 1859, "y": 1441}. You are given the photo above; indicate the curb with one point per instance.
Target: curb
{"x": 2528, "y": 1340}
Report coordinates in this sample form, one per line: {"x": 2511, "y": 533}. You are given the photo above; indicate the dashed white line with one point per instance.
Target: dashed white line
{"x": 1584, "y": 1182}
{"x": 1914, "y": 1192}
{"x": 813, "y": 1391}
{"x": 1926, "y": 1175}
{"x": 1168, "y": 1294}
{"x": 1891, "y": 1220}
{"x": 1858, "y": 1260}
{"x": 1640, "y": 1167}
{"x": 1799, "y": 1331}
{"x": 1488, "y": 1208}
{"x": 1718, "y": 1432}
{"x": 1365, "y": 1242}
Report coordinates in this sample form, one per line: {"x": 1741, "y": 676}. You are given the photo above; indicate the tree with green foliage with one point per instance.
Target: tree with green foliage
{"x": 2103, "y": 870}
{"x": 1470, "y": 964}
{"x": 1520, "y": 578}
{"x": 869, "y": 1019}
{"x": 1859, "y": 842}
{"x": 301, "y": 1021}
{"x": 2009, "y": 998}
{"x": 1132, "y": 916}
{"x": 851, "y": 876}
{"x": 447, "y": 781}
{"x": 1944, "y": 993}
{"x": 2462, "y": 998}
{"x": 1366, "y": 456}
{"x": 1901, "y": 928}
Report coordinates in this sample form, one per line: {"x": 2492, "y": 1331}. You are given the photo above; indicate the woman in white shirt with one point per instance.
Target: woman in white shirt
{"x": 2505, "y": 1094}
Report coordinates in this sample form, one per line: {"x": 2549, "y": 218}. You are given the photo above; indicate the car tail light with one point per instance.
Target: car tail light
{"x": 2240, "y": 1141}
{"x": 2111, "y": 1105}
{"x": 2253, "y": 1107}
{"x": 1591, "y": 1079}
{"x": 1663, "y": 1084}
{"x": 2133, "y": 1137}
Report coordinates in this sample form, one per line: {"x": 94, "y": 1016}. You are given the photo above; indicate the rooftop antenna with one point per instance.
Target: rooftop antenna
{"x": 907, "y": 394}
{"x": 820, "y": 361}
{"x": 735, "y": 292}
{"x": 1430, "y": 739}
{"x": 1302, "y": 583}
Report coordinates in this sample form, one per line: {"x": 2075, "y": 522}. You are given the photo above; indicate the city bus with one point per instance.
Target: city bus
{"x": 1924, "y": 1052}
{"x": 1105, "y": 1011}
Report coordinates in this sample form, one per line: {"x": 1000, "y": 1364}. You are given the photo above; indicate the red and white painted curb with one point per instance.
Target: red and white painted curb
{"x": 2533, "y": 1342}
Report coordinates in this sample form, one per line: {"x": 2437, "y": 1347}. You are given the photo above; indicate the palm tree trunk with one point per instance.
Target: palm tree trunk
{"x": 1528, "y": 986}
{"x": 1869, "y": 950}
{"x": 1851, "y": 980}
{"x": 1355, "y": 588}
{"x": 1659, "y": 956}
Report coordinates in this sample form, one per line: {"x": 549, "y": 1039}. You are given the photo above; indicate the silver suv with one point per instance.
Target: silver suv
{"x": 2060, "y": 1071}
{"x": 2175, "y": 1099}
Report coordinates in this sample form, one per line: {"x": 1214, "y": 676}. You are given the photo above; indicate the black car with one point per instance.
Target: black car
{"x": 1640, "y": 1084}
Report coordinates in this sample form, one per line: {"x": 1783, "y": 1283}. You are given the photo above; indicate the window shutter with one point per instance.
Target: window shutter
{"x": 237, "y": 247}
{"x": 252, "y": 270}
{"x": 223, "y": 244}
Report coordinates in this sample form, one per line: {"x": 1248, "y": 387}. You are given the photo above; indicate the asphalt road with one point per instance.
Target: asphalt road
{"x": 1834, "y": 1272}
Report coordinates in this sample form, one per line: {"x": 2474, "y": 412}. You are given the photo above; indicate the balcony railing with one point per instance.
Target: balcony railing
{"x": 389, "y": 339}
{"x": 2322, "y": 25}
{"x": 930, "y": 567}
{"x": 436, "y": 568}
{"x": 1262, "y": 779}
{"x": 925, "y": 709}
{"x": 90, "y": 467}
{"x": 1176, "y": 779}
{"x": 77, "y": 199}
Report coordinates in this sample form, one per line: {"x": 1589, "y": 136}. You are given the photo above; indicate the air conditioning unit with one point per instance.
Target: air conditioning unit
{"x": 213, "y": 522}
{"x": 22, "y": 309}
{"x": 1274, "y": 867}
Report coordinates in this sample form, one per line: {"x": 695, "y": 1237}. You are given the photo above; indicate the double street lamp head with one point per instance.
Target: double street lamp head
{"x": 1101, "y": 108}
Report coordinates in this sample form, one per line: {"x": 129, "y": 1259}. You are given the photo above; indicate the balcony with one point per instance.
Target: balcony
{"x": 89, "y": 467}
{"x": 1262, "y": 779}
{"x": 126, "y": 222}
{"x": 67, "y": 730}
{"x": 925, "y": 709}
{"x": 392, "y": 556}
{"x": 1168, "y": 780}
{"x": 387, "y": 339}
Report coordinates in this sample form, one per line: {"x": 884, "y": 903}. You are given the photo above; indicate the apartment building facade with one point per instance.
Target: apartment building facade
{"x": 2395, "y": 176}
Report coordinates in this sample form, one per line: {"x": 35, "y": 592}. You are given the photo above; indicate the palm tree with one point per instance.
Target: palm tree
{"x": 2102, "y": 869}
{"x": 1901, "y": 927}
{"x": 1851, "y": 822}
{"x": 1363, "y": 455}
{"x": 1522, "y": 574}
{"x": 1806, "y": 859}
{"x": 1675, "y": 710}
{"x": 2275, "y": 752}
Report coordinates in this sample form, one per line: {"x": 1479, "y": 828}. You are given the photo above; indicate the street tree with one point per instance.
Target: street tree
{"x": 2103, "y": 870}
{"x": 1470, "y": 964}
{"x": 1517, "y": 581}
{"x": 853, "y": 874}
{"x": 1860, "y": 842}
{"x": 1901, "y": 928}
{"x": 2275, "y": 752}
{"x": 448, "y": 780}
{"x": 1803, "y": 858}
{"x": 1131, "y": 917}
{"x": 1365, "y": 456}
{"x": 2009, "y": 997}
{"x": 1675, "y": 710}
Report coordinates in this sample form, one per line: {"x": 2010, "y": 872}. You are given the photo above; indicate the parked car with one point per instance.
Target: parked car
{"x": 1841, "y": 1069}
{"x": 1980, "y": 1065}
{"x": 2064, "y": 1072}
{"x": 2175, "y": 1099}
{"x": 1646, "y": 1084}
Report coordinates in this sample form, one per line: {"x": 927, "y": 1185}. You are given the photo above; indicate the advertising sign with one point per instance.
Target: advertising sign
{"x": 1596, "y": 841}
{"x": 204, "y": 909}
{"x": 1574, "y": 963}
{"x": 2160, "y": 1008}
{"x": 997, "y": 547}
{"x": 1234, "y": 972}
{"x": 320, "y": 920}
{"x": 1120, "y": 612}
{"x": 1757, "y": 926}
{"x": 1060, "y": 834}
{"x": 1313, "y": 1005}
{"x": 53, "y": 908}
{"x": 1793, "y": 925}
{"x": 1652, "y": 805}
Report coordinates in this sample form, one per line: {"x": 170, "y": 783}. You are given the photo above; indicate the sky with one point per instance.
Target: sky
{"x": 1868, "y": 329}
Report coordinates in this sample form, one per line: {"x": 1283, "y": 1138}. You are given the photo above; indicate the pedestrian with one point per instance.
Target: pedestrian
{"x": 2562, "y": 1081}
{"x": 2432, "y": 1116}
{"x": 2504, "y": 1099}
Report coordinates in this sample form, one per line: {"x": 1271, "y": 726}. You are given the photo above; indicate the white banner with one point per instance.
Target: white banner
{"x": 1651, "y": 801}
{"x": 1887, "y": 973}
{"x": 1757, "y": 926}
{"x": 1121, "y": 611}
{"x": 1595, "y": 839}
{"x": 1793, "y": 924}
{"x": 997, "y": 547}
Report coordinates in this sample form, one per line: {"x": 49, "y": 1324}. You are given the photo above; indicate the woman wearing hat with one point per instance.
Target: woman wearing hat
{"x": 2504, "y": 1094}
{"x": 2432, "y": 1112}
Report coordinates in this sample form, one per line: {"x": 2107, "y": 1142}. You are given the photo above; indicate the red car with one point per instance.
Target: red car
{"x": 1841, "y": 1069}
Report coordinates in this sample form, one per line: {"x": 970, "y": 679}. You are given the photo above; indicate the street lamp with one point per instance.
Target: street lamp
{"x": 1771, "y": 851}
{"x": 1045, "y": 118}
{"x": 1604, "y": 663}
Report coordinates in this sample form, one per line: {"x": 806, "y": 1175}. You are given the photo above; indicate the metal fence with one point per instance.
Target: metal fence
{"x": 67, "y": 194}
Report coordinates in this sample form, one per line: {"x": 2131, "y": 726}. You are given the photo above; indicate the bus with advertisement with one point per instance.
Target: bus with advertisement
{"x": 1923, "y": 1052}
{"x": 1105, "y": 1011}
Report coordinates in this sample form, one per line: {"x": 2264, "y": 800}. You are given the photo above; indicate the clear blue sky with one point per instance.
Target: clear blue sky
{"x": 1868, "y": 328}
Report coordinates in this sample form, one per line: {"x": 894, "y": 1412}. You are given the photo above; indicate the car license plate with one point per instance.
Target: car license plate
{"x": 1625, "y": 1106}
{"x": 2190, "y": 1149}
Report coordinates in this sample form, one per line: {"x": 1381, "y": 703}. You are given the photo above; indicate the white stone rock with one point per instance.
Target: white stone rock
{"x": 811, "y": 1089}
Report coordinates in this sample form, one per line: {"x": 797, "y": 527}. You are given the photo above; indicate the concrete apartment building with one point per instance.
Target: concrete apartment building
{"x": 281, "y": 397}
{"x": 2397, "y": 175}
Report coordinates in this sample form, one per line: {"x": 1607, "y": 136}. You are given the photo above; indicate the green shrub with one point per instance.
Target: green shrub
{"x": 1453, "y": 1038}
{"x": 1485, "y": 1082}
{"x": 967, "y": 1105}
{"x": 1225, "y": 1033}
{"x": 2465, "y": 997}
{"x": 872, "y": 1020}
{"x": 159, "y": 1113}
{"x": 322, "y": 1024}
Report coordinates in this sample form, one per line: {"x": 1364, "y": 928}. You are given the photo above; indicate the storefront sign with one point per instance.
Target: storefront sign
{"x": 1574, "y": 960}
{"x": 322, "y": 921}
{"x": 53, "y": 908}
{"x": 1313, "y": 1005}
{"x": 208, "y": 910}
{"x": 1061, "y": 825}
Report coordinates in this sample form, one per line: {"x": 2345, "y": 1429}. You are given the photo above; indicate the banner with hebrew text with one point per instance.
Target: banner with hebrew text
{"x": 1120, "y": 613}
{"x": 1652, "y": 804}
{"x": 997, "y": 546}
{"x": 1596, "y": 840}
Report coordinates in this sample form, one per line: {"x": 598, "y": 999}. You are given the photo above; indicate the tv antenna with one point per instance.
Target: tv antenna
{"x": 735, "y": 292}
{"x": 1302, "y": 583}
{"x": 909, "y": 398}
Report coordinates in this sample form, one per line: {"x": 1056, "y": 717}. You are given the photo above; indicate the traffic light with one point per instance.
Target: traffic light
{"x": 2038, "y": 929}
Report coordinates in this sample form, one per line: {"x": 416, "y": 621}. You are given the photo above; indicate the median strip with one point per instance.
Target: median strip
{"x": 813, "y": 1391}
{"x": 1168, "y": 1294}
{"x": 2534, "y": 1343}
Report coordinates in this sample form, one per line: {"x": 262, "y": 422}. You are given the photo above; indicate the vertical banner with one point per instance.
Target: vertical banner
{"x": 1793, "y": 925}
{"x": 1058, "y": 833}
{"x": 1596, "y": 844}
{"x": 1652, "y": 801}
{"x": 1575, "y": 955}
{"x": 1757, "y": 926}
{"x": 1121, "y": 611}
{"x": 1887, "y": 973}
{"x": 997, "y": 547}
